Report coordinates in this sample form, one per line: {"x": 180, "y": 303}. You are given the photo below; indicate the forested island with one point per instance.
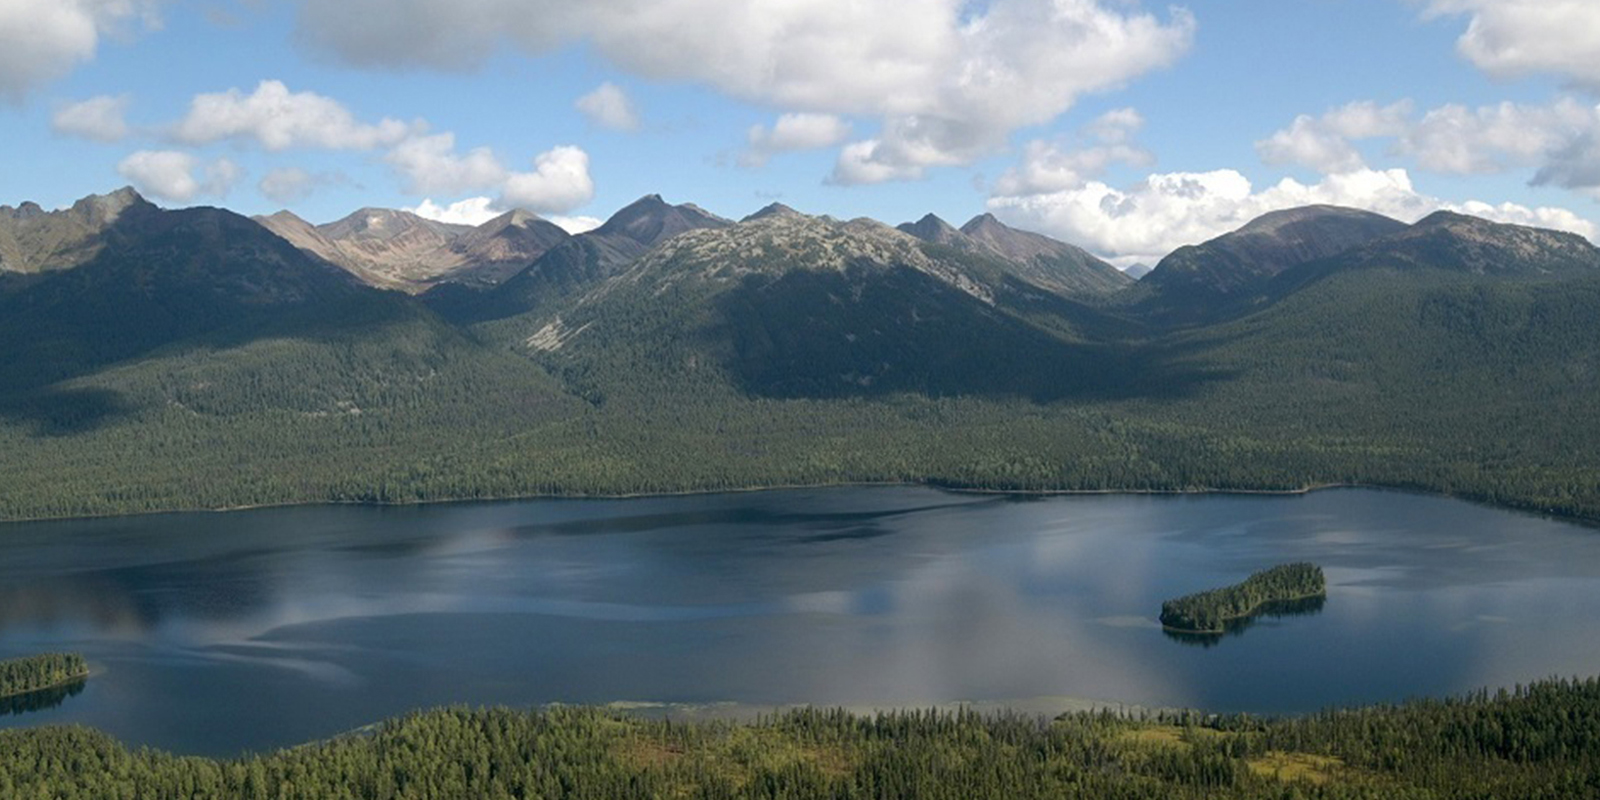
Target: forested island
{"x": 1534, "y": 741}
{"x": 19, "y": 676}
{"x": 1212, "y": 611}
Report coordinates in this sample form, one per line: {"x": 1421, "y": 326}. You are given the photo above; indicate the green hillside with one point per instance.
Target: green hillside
{"x": 1532, "y": 742}
{"x": 204, "y": 363}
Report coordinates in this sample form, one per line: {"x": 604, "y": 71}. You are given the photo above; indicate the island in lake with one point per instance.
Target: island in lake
{"x": 1211, "y": 612}
{"x": 26, "y": 676}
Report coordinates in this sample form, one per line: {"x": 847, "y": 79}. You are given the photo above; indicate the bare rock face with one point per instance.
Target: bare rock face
{"x": 580, "y": 262}
{"x": 34, "y": 241}
{"x": 399, "y": 250}
{"x": 1037, "y": 259}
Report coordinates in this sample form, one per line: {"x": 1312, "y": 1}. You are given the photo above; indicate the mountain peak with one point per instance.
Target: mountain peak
{"x": 651, "y": 219}
{"x": 1445, "y": 218}
{"x": 984, "y": 221}
{"x": 104, "y": 209}
{"x": 772, "y": 210}
{"x": 1236, "y": 263}
{"x": 932, "y": 229}
{"x": 1464, "y": 243}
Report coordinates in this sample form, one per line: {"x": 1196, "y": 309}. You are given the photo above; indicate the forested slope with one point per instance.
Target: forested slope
{"x": 1535, "y": 742}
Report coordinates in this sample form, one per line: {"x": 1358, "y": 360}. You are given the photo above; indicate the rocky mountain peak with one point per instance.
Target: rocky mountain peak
{"x": 104, "y": 209}
{"x": 772, "y": 209}
{"x": 932, "y": 229}
{"x": 650, "y": 220}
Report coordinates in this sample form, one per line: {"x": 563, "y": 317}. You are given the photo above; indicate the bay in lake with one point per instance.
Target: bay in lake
{"x": 219, "y": 633}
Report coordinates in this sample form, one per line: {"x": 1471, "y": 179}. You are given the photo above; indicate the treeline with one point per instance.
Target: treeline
{"x": 37, "y": 673}
{"x": 1211, "y": 611}
{"x": 1532, "y": 742}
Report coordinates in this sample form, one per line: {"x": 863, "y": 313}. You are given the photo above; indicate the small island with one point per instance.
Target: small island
{"x": 22, "y": 676}
{"x": 1212, "y": 611}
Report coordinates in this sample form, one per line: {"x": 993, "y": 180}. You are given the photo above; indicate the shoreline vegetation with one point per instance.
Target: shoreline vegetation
{"x": 1531, "y": 741}
{"x": 41, "y": 673}
{"x": 1213, "y": 611}
{"x": 954, "y": 488}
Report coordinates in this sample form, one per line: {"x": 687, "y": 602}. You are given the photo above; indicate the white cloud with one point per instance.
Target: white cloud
{"x": 41, "y": 40}
{"x": 577, "y": 225}
{"x": 1509, "y": 38}
{"x": 478, "y": 210}
{"x": 1058, "y": 166}
{"x": 609, "y": 107}
{"x": 170, "y": 174}
{"x": 1457, "y": 139}
{"x": 559, "y": 182}
{"x": 430, "y": 164}
{"x": 1165, "y": 211}
{"x": 1561, "y": 140}
{"x": 1324, "y": 143}
{"x": 101, "y": 119}
{"x": 951, "y": 79}
{"x": 278, "y": 119}
{"x": 471, "y": 211}
{"x": 790, "y": 133}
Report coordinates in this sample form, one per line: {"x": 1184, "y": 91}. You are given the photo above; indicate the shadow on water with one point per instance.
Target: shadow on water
{"x": 42, "y": 700}
{"x": 1305, "y": 607}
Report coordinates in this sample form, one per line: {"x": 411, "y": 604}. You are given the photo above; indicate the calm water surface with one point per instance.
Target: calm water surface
{"x": 218, "y": 633}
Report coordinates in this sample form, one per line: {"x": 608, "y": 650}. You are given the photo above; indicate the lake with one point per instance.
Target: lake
{"x": 216, "y": 633}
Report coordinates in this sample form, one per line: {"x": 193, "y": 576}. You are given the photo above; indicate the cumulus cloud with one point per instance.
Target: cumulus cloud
{"x": 1509, "y": 38}
{"x": 41, "y": 40}
{"x": 172, "y": 175}
{"x": 951, "y": 80}
{"x": 1058, "y": 166}
{"x": 1558, "y": 139}
{"x": 1165, "y": 211}
{"x": 559, "y": 182}
{"x": 278, "y": 119}
{"x": 1458, "y": 139}
{"x": 608, "y": 106}
{"x": 101, "y": 119}
{"x": 1325, "y": 143}
{"x": 790, "y": 133}
{"x": 431, "y": 164}
{"x": 471, "y": 211}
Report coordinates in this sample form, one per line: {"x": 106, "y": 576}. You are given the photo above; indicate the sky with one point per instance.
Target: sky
{"x": 1129, "y": 128}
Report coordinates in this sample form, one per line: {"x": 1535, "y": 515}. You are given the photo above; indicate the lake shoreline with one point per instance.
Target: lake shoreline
{"x": 1248, "y": 615}
{"x": 62, "y": 684}
{"x": 1593, "y": 522}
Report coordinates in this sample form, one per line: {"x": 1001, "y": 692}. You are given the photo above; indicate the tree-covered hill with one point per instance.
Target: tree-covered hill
{"x": 203, "y": 362}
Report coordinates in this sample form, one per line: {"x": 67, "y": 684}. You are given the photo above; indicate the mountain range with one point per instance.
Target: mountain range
{"x": 159, "y": 359}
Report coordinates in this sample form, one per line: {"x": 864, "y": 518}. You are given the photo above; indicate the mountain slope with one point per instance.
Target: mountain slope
{"x": 160, "y": 276}
{"x": 399, "y": 250}
{"x": 33, "y": 240}
{"x": 1036, "y": 259}
{"x": 577, "y": 263}
{"x": 787, "y": 305}
{"x": 1195, "y": 280}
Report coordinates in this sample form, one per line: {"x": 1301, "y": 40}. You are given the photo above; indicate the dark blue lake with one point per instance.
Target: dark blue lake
{"x": 218, "y": 633}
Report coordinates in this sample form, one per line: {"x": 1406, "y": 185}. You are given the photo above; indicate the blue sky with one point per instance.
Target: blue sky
{"x": 1129, "y": 128}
